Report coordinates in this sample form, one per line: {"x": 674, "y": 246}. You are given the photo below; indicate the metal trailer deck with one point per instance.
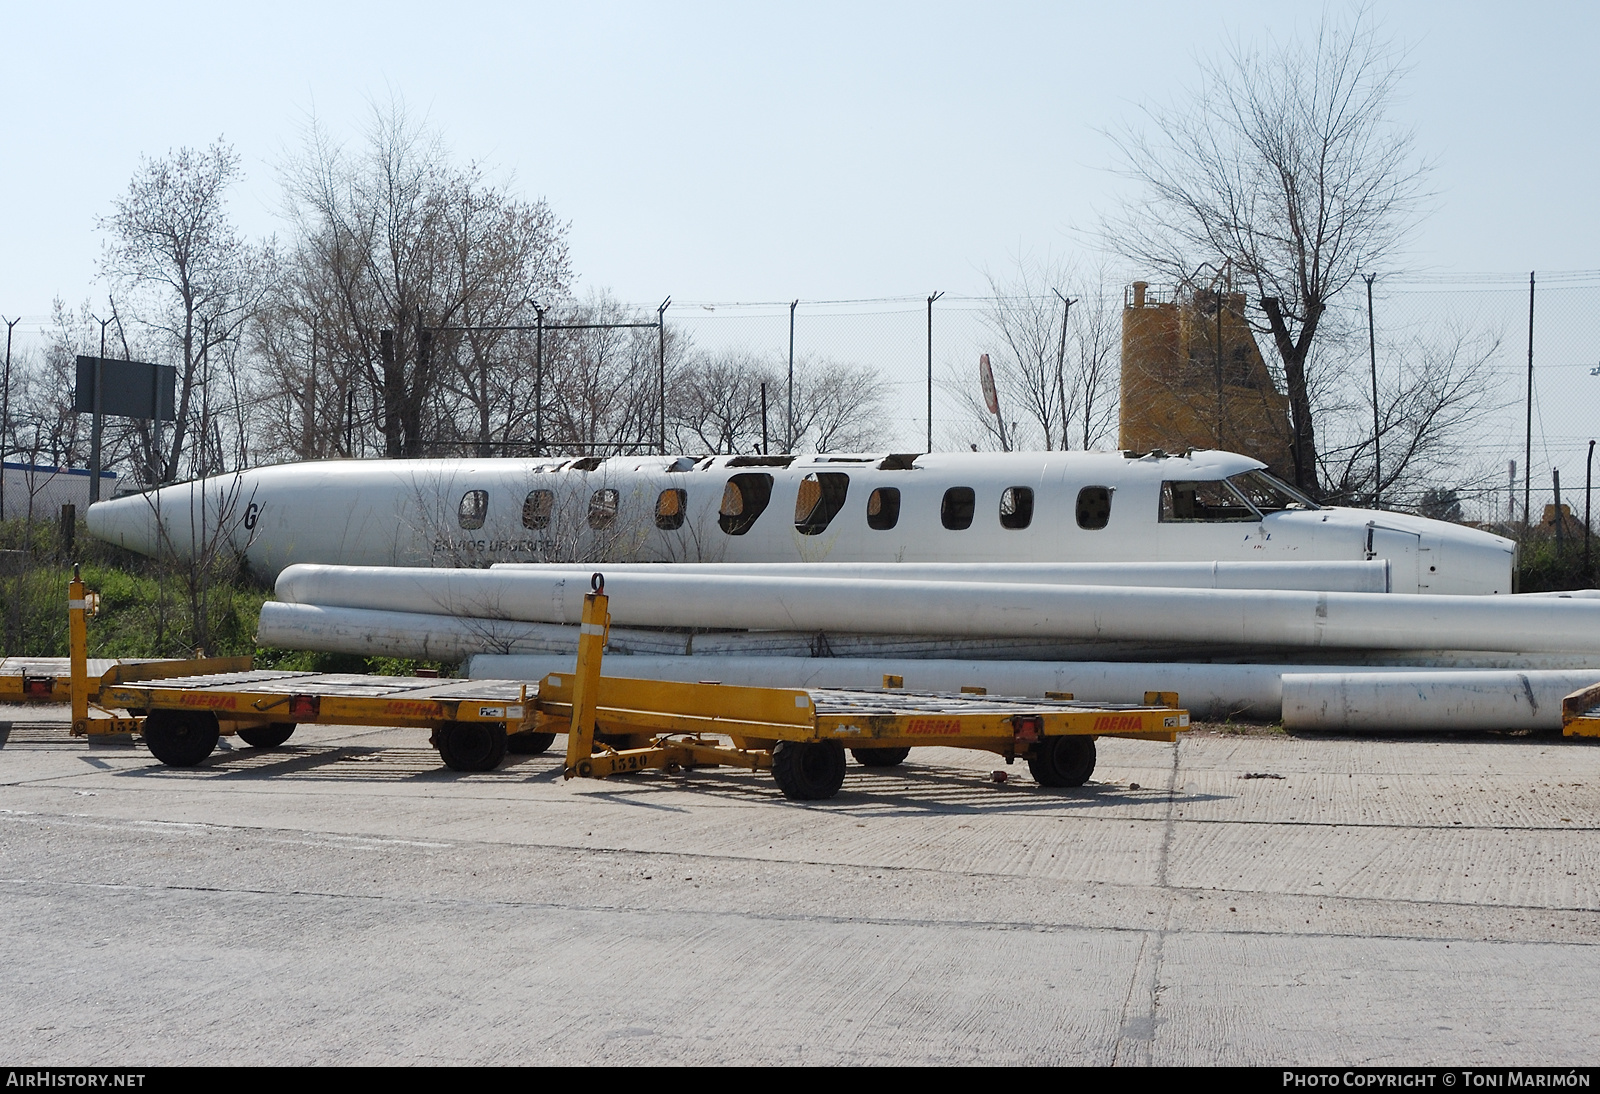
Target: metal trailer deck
{"x": 613, "y": 725}
{"x": 49, "y": 679}
{"x": 1580, "y": 713}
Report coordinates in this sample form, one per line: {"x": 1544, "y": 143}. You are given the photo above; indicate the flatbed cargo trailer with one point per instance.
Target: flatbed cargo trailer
{"x": 613, "y": 725}
{"x": 1580, "y": 713}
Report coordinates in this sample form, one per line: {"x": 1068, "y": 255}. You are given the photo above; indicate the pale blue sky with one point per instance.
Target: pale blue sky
{"x": 742, "y": 152}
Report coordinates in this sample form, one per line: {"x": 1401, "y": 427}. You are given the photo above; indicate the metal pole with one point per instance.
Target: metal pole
{"x": 1061, "y": 360}
{"x": 764, "y": 419}
{"x": 98, "y": 420}
{"x": 5, "y": 414}
{"x": 538, "y": 381}
{"x": 1527, "y": 455}
{"x": 1555, "y": 476}
{"x": 1588, "y": 491}
{"x": 788, "y": 444}
{"x": 931, "y": 299}
{"x": 661, "y": 330}
{"x": 1220, "y": 414}
{"x": 1377, "y": 451}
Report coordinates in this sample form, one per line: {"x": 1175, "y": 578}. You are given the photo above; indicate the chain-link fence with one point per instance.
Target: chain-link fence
{"x": 1452, "y": 378}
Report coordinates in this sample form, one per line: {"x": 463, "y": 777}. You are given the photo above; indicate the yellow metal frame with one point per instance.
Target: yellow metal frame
{"x": 1580, "y": 713}
{"x": 666, "y": 723}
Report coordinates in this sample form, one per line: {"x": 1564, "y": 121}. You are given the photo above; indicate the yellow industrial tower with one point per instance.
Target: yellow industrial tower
{"x": 1193, "y": 377}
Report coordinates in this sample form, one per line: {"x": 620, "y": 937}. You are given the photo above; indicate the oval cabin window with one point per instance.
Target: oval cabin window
{"x": 1016, "y": 507}
{"x": 883, "y": 508}
{"x": 536, "y": 509}
{"x": 670, "y": 509}
{"x": 820, "y": 498}
{"x": 955, "y": 511}
{"x": 744, "y": 499}
{"x": 473, "y": 509}
{"x": 1094, "y": 508}
{"x": 602, "y": 508}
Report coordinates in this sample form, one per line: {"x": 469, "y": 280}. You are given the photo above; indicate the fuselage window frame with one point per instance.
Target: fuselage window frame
{"x": 744, "y": 499}
{"x": 536, "y": 509}
{"x": 958, "y": 507}
{"x": 672, "y": 505}
{"x": 815, "y": 508}
{"x": 473, "y": 510}
{"x": 883, "y": 508}
{"x": 1016, "y": 507}
{"x": 603, "y": 506}
{"x": 1094, "y": 507}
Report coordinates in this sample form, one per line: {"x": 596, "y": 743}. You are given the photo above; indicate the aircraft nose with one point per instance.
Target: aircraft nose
{"x": 127, "y": 522}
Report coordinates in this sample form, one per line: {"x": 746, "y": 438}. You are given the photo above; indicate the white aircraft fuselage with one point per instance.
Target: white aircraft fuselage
{"x": 936, "y": 507}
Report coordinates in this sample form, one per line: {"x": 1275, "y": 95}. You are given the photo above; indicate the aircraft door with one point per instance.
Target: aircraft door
{"x": 1405, "y": 552}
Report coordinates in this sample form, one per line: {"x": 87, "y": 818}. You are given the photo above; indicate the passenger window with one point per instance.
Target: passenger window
{"x": 670, "y": 508}
{"x": 602, "y": 508}
{"x": 1213, "y": 501}
{"x": 957, "y": 508}
{"x": 743, "y": 500}
{"x": 1016, "y": 507}
{"x": 821, "y": 497}
{"x": 536, "y": 509}
{"x": 1094, "y": 508}
{"x": 473, "y": 509}
{"x": 883, "y": 508}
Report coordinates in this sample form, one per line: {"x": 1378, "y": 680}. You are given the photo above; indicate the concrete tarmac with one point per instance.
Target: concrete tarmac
{"x": 346, "y": 899}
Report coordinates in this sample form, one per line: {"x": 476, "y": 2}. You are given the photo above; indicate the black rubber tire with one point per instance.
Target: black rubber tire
{"x": 880, "y": 757}
{"x": 471, "y": 746}
{"x": 530, "y": 743}
{"x": 267, "y": 736}
{"x": 181, "y": 738}
{"x": 808, "y": 770}
{"x": 1063, "y": 761}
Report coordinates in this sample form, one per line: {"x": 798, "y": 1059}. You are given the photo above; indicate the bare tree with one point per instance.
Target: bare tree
{"x": 715, "y": 401}
{"x": 1440, "y": 387}
{"x": 1055, "y": 366}
{"x": 839, "y": 406}
{"x": 1285, "y": 168}
{"x": 393, "y": 237}
{"x": 183, "y": 275}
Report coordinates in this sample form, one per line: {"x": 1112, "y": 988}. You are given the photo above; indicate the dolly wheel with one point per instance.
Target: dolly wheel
{"x": 529, "y": 743}
{"x": 1063, "y": 761}
{"x": 880, "y": 757}
{"x": 808, "y": 770}
{"x": 180, "y": 738}
{"x": 267, "y": 736}
{"x": 471, "y": 746}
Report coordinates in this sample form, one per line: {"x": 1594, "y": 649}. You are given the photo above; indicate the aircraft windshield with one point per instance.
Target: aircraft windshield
{"x": 1270, "y": 494}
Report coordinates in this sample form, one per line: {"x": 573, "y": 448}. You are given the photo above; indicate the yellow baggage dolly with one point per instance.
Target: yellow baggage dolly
{"x": 613, "y": 725}
{"x": 1580, "y": 713}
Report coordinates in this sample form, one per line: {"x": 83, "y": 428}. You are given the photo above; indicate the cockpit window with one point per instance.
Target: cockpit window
{"x": 1270, "y": 494}
{"x": 1203, "y": 501}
